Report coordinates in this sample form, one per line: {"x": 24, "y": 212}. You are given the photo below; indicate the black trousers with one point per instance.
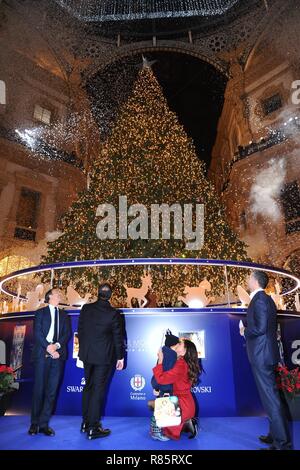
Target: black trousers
{"x": 96, "y": 378}
{"x": 266, "y": 384}
{"x": 47, "y": 376}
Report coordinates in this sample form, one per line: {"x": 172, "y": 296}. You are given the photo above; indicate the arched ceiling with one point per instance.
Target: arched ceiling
{"x": 83, "y": 48}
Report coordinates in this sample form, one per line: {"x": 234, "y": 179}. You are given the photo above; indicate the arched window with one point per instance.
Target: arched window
{"x": 2, "y": 92}
{"x": 235, "y": 140}
{"x": 243, "y": 220}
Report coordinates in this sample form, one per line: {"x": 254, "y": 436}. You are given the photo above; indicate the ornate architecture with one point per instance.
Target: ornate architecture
{"x": 255, "y": 161}
{"x": 47, "y": 57}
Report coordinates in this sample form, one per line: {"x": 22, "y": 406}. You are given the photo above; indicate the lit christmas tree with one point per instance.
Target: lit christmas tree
{"x": 149, "y": 159}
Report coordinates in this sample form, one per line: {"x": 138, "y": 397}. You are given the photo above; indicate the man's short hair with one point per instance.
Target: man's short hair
{"x": 262, "y": 278}
{"x": 104, "y": 291}
{"x": 47, "y": 295}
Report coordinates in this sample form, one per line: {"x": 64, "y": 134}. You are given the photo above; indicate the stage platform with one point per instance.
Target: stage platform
{"x": 226, "y": 388}
{"x": 226, "y": 433}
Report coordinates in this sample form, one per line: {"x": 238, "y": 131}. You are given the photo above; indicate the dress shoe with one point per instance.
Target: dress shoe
{"x": 95, "y": 433}
{"x": 267, "y": 448}
{"x": 266, "y": 439}
{"x": 275, "y": 448}
{"x": 34, "y": 429}
{"x": 47, "y": 431}
{"x": 191, "y": 427}
{"x": 84, "y": 426}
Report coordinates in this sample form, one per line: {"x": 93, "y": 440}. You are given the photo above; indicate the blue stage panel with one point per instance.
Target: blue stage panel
{"x": 226, "y": 389}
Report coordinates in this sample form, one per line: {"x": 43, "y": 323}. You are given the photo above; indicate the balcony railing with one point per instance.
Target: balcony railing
{"x": 263, "y": 144}
{"x": 275, "y": 137}
{"x": 48, "y": 152}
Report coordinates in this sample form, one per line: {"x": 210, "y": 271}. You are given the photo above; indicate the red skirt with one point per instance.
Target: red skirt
{"x": 187, "y": 405}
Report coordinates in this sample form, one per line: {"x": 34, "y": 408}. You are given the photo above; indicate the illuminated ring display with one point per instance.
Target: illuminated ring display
{"x": 146, "y": 261}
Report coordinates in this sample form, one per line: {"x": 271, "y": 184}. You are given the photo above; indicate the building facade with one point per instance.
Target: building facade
{"x": 46, "y": 60}
{"x": 38, "y": 181}
{"x": 256, "y": 157}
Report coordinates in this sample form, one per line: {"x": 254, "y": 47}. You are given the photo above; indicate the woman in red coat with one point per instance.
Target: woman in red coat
{"x": 183, "y": 376}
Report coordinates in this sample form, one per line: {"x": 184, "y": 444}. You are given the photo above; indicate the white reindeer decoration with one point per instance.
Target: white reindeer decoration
{"x": 75, "y": 299}
{"x": 243, "y": 296}
{"x": 297, "y": 302}
{"x": 278, "y": 299}
{"x": 195, "y": 296}
{"x": 35, "y": 298}
{"x": 139, "y": 292}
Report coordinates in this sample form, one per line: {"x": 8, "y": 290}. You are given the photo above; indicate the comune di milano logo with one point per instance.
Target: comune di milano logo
{"x": 137, "y": 382}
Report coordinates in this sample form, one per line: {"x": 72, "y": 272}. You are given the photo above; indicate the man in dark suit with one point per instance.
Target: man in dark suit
{"x": 51, "y": 333}
{"x": 101, "y": 346}
{"x": 263, "y": 353}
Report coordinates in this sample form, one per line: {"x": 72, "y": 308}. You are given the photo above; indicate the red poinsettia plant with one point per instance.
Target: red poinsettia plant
{"x": 288, "y": 380}
{"x": 7, "y": 378}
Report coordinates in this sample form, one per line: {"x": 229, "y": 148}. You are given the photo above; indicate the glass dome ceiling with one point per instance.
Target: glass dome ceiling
{"x": 126, "y": 10}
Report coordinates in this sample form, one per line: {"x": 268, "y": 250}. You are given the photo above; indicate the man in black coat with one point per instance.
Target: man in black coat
{"x": 101, "y": 346}
{"x": 263, "y": 353}
{"x": 51, "y": 334}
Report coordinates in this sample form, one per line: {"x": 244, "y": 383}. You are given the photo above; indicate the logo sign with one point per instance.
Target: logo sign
{"x": 137, "y": 382}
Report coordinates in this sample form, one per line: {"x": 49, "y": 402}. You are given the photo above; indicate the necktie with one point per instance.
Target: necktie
{"x": 55, "y": 335}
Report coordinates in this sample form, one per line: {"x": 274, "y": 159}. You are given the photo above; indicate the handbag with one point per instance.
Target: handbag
{"x": 167, "y": 411}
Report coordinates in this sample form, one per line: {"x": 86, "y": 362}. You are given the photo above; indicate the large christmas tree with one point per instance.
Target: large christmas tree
{"x": 149, "y": 159}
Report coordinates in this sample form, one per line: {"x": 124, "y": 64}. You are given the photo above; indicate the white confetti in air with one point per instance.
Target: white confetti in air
{"x": 52, "y": 236}
{"x": 266, "y": 188}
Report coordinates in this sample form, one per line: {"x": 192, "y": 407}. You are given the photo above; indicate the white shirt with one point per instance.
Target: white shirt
{"x": 255, "y": 292}
{"x": 50, "y": 334}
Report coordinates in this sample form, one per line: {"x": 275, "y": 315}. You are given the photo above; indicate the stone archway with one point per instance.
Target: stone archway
{"x": 145, "y": 47}
{"x": 178, "y": 73}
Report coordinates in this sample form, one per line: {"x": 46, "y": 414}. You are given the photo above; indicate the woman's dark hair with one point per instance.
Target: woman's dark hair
{"x": 47, "y": 296}
{"x": 194, "y": 364}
